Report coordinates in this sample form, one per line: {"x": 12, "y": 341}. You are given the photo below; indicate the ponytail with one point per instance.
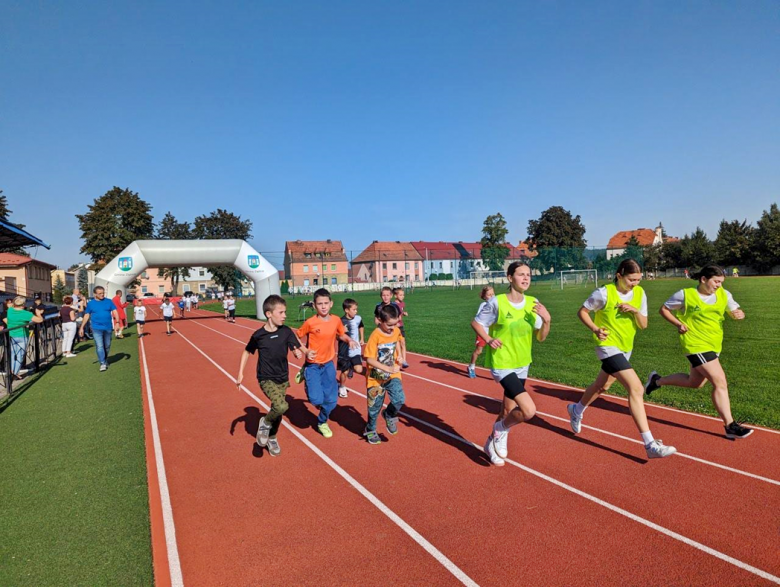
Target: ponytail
{"x": 626, "y": 267}
{"x": 708, "y": 272}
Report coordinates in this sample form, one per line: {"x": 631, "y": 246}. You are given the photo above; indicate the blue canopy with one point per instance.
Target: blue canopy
{"x": 12, "y": 236}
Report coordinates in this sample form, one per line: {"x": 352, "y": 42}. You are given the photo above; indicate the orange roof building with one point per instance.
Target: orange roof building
{"x": 385, "y": 261}
{"x": 25, "y": 276}
{"x": 315, "y": 263}
{"x": 646, "y": 237}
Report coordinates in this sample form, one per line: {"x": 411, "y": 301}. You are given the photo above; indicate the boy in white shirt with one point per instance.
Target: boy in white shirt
{"x": 139, "y": 313}
{"x": 168, "y": 309}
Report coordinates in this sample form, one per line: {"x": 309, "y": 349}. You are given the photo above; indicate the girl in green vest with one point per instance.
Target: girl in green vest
{"x": 620, "y": 310}
{"x": 508, "y": 322}
{"x": 698, "y": 314}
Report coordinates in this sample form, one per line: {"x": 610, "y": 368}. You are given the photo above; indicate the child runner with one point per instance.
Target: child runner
{"x": 188, "y": 301}
{"x": 621, "y": 310}
{"x": 139, "y": 313}
{"x": 349, "y": 360}
{"x": 507, "y": 322}
{"x": 121, "y": 322}
{"x": 386, "y": 295}
{"x": 272, "y": 340}
{"x": 225, "y": 306}
{"x": 181, "y": 307}
{"x": 400, "y": 294}
{"x": 322, "y": 330}
{"x": 383, "y": 357}
{"x": 698, "y": 316}
{"x": 168, "y": 309}
{"x": 486, "y": 295}
{"x": 231, "y": 308}
{"x": 195, "y": 299}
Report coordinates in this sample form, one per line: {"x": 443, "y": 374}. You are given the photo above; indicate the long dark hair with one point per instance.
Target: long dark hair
{"x": 627, "y": 267}
{"x": 708, "y": 272}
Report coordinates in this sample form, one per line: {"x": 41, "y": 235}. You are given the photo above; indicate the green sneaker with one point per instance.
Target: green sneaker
{"x": 325, "y": 430}
{"x": 299, "y": 376}
{"x": 372, "y": 437}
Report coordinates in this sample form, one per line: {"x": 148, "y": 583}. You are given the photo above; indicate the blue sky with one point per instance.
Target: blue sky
{"x": 391, "y": 120}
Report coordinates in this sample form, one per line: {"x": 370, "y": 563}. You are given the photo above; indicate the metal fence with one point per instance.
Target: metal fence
{"x": 40, "y": 346}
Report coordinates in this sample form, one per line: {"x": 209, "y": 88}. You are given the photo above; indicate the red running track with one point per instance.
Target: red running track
{"x": 426, "y": 506}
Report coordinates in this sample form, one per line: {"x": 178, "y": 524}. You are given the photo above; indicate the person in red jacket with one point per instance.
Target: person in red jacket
{"x": 121, "y": 318}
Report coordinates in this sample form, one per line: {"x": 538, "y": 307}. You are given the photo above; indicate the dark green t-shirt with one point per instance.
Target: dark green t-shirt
{"x": 17, "y": 319}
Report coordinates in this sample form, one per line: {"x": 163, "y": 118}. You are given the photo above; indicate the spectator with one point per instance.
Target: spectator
{"x": 69, "y": 326}
{"x": 17, "y": 320}
{"x": 102, "y": 312}
{"x": 37, "y": 303}
{"x": 4, "y": 310}
{"x": 121, "y": 322}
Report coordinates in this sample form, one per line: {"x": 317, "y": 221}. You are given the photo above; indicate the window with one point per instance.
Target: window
{"x": 305, "y": 268}
{"x": 144, "y": 275}
{"x": 316, "y": 281}
{"x": 384, "y": 266}
{"x": 324, "y": 267}
{"x": 185, "y": 287}
{"x": 395, "y": 266}
{"x": 440, "y": 265}
{"x": 161, "y": 288}
{"x": 202, "y": 287}
{"x": 333, "y": 267}
{"x": 406, "y": 265}
{"x": 333, "y": 281}
{"x": 315, "y": 268}
{"x": 307, "y": 255}
{"x": 201, "y": 273}
{"x": 144, "y": 289}
{"x": 415, "y": 264}
{"x": 305, "y": 283}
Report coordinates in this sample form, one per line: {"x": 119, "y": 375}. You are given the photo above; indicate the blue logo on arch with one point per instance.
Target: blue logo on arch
{"x": 125, "y": 263}
{"x": 254, "y": 261}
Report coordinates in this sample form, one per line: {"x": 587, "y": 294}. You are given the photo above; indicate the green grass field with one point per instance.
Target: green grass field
{"x": 73, "y": 484}
{"x": 439, "y": 325}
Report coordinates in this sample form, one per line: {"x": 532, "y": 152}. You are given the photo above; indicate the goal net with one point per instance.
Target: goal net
{"x": 581, "y": 277}
{"x": 482, "y": 278}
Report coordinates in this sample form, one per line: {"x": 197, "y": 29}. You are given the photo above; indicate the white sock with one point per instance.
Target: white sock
{"x": 499, "y": 427}
{"x": 471, "y": 365}
{"x": 579, "y": 409}
{"x": 647, "y": 437}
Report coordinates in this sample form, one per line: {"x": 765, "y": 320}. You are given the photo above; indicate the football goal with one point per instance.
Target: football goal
{"x": 481, "y": 278}
{"x": 572, "y": 277}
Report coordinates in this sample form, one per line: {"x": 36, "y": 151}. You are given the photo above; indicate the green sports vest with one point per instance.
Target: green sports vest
{"x": 704, "y": 322}
{"x": 621, "y": 326}
{"x": 515, "y": 328}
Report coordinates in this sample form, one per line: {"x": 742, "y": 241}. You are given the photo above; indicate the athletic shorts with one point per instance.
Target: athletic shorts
{"x": 232, "y": 313}
{"x": 349, "y": 363}
{"x": 698, "y": 359}
{"x": 480, "y": 342}
{"x": 168, "y": 318}
{"x": 141, "y": 322}
{"x": 403, "y": 332}
{"x": 512, "y": 386}
{"x": 615, "y": 363}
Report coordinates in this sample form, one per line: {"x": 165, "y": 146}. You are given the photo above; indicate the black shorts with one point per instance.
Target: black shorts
{"x": 141, "y": 322}
{"x": 346, "y": 364}
{"x": 615, "y": 363}
{"x": 513, "y": 385}
{"x": 698, "y": 359}
{"x": 232, "y": 313}
{"x": 403, "y": 332}
{"x": 168, "y": 318}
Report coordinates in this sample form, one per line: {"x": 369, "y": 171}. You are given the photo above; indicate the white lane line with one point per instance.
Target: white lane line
{"x": 174, "y": 566}
{"x": 416, "y": 536}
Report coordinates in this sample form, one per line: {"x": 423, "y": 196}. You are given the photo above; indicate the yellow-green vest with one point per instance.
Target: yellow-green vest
{"x": 621, "y": 325}
{"x": 515, "y": 328}
{"x": 704, "y": 322}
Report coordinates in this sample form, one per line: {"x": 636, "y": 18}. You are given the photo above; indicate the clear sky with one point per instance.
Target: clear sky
{"x": 391, "y": 120}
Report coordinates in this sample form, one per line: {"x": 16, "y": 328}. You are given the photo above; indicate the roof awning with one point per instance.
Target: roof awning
{"x": 11, "y": 236}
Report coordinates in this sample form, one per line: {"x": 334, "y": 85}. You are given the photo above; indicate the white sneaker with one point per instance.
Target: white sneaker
{"x": 103, "y": 367}
{"x": 490, "y": 451}
{"x": 499, "y": 442}
{"x": 574, "y": 420}
{"x": 657, "y": 450}
{"x": 343, "y": 392}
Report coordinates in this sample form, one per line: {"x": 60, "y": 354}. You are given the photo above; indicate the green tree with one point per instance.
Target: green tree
{"x": 633, "y": 251}
{"x": 559, "y": 239}
{"x": 172, "y": 229}
{"x": 113, "y": 221}
{"x": 58, "y": 290}
{"x": 494, "y": 249}
{"x": 5, "y": 214}
{"x": 697, "y": 250}
{"x": 733, "y": 243}
{"x": 223, "y": 225}
{"x": 82, "y": 281}
{"x": 284, "y": 288}
{"x": 671, "y": 255}
{"x": 652, "y": 255}
{"x": 766, "y": 240}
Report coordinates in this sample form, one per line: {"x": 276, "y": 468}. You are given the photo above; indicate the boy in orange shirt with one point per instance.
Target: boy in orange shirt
{"x": 322, "y": 330}
{"x": 384, "y": 356}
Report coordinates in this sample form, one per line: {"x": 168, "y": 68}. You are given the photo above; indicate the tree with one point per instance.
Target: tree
{"x": 653, "y": 257}
{"x": 82, "y": 281}
{"x": 559, "y": 239}
{"x": 114, "y": 220}
{"x": 284, "y": 288}
{"x": 494, "y": 249}
{"x": 59, "y": 290}
{"x": 223, "y": 225}
{"x": 766, "y": 241}
{"x": 5, "y": 214}
{"x": 697, "y": 250}
{"x": 172, "y": 229}
{"x": 733, "y": 243}
{"x": 671, "y": 255}
{"x": 633, "y": 251}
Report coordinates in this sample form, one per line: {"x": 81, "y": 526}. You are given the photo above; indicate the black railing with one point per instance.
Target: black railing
{"x": 40, "y": 346}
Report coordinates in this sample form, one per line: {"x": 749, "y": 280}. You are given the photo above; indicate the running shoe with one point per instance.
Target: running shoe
{"x": 273, "y": 447}
{"x": 103, "y": 367}
{"x": 472, "y": 372}
{"x": 343, "y": 392}
{"x": 404, "y": 365}
{"x": 392, "y": 423}
{"x": 299, "y": 376}
{"x": 325, "y": 430}
{"x": 575, "y": 421}
{"x": 652, "y": 382}
{"x": 372, "y": 437}
{"x": 657, "y": 450}
{"x": 499, "y": 442}
{"x": 490, "y": 451}
{"x": 736, "y": 430}
{"x": 263, "y": 430}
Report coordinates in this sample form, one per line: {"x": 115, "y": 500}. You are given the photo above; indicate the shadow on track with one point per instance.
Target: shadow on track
{"x": 476, "y": 455}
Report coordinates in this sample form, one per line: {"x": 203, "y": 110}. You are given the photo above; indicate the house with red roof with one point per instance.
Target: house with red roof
{"x": 315, "y": 263}
{"x": 25, "y": 276}
{"x": 460, "y": 259}
{"x": 388, "y": 261}
{"x": 646, "y": 237}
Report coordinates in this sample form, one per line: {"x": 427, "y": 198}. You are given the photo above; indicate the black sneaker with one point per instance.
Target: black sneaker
{"x": 652, "y": 383}
{"x": 736, "y": 430}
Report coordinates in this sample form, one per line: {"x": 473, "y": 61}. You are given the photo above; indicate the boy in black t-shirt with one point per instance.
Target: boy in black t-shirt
{"x": 272, "y": 341}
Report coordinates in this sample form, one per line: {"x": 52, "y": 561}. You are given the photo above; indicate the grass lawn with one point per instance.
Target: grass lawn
{"x": 439, "y": 325}
{"x": 75, "y": 501}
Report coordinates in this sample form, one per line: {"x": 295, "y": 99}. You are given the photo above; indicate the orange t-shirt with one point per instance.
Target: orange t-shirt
{"x": 384, "y": 348}
{"x": 322, "y": 333}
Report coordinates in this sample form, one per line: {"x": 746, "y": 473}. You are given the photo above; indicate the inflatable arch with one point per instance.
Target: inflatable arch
{"x": 142, "y": 255}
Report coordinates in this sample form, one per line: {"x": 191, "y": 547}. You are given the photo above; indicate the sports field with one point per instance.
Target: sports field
{"x": 439, "y": 325}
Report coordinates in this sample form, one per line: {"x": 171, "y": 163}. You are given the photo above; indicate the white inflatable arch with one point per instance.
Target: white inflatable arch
{"x": 142, "y": 255}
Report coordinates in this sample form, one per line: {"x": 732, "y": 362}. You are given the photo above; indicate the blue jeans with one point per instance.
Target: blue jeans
{"x": 102, "y": 344}
{"x": 18, "y": 350}
{"x": 321, "y": 388}
{"x": 376, "y": 397}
